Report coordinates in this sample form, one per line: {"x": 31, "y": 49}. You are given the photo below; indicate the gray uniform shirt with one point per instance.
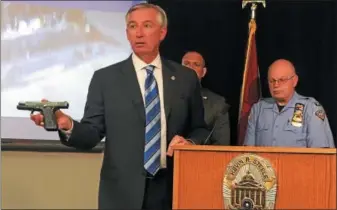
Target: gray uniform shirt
{"x": 301, "y": 123}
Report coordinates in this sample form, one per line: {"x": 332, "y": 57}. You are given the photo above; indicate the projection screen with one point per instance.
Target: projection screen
{"x": 50, "y": 49}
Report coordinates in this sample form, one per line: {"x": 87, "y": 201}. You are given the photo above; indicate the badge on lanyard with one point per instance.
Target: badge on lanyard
{"x": 297, "y": 119}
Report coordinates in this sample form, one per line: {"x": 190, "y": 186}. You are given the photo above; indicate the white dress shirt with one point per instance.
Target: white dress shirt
{"x": 158, "y": 74}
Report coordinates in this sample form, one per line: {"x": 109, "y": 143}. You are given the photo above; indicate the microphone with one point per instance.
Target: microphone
{"x": 210, "y": 134}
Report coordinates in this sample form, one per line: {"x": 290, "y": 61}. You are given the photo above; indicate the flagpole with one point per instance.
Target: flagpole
{"x": 250, "y": 89}
{"x": 252, "y": 29}
{"x": 253, "y": 6}
{"x": 252, "y": 22}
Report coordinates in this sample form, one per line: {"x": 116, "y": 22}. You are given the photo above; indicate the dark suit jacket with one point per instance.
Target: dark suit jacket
{"x": 216, "y": 117}
{"x": 115, "y": 109}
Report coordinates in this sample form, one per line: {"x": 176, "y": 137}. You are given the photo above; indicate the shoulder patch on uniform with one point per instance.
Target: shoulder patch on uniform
{"x": 320, "y": 113}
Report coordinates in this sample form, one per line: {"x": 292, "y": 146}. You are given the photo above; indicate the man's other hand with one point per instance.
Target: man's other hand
{"x": 177, "y": 140}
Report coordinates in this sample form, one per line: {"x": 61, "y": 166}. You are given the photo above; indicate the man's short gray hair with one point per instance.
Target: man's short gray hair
{"x": 162, "y": 18}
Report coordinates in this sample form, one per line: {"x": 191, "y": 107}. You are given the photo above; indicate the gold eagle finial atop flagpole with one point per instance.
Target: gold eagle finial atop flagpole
{"x": 254, "y": 5}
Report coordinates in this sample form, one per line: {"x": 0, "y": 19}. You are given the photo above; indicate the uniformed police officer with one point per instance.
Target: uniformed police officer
{"x": 287, "y": 119}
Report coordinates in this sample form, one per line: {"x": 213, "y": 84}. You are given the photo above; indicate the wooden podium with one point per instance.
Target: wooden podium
{"x": 305, "y": 177}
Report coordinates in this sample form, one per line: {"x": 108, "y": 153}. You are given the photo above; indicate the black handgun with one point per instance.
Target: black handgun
{"x": 47, "y": 109}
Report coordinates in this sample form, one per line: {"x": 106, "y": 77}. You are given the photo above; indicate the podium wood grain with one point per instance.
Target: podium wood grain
{"x": 306, "y": 178}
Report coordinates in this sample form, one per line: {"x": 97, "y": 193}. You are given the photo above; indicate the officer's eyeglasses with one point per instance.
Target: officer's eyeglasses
{"x": 280, "y": 81}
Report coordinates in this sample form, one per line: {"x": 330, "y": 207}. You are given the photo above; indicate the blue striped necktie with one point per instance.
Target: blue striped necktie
{"x": 153, "y": 123}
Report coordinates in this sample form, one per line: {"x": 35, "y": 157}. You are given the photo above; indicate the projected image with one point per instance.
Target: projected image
{"x": 49, "y": 52}
{"x": 50, "y": 49}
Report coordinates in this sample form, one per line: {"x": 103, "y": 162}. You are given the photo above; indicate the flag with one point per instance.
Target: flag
{"x": 250, "y": 89}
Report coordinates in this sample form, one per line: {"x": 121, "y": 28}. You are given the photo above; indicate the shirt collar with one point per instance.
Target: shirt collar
{"x": 140, "y": 64}
{"x": 293, "y": 100}
{"x": 272, "y": 104}
{"x": 290, "y": 104}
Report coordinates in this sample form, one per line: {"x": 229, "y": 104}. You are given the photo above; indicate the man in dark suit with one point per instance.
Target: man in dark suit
{"x": 140, "y": 105}
{"x": 215, "y": 106}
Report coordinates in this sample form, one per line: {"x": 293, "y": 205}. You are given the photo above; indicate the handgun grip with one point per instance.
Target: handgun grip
{"x": 49, "y": 119}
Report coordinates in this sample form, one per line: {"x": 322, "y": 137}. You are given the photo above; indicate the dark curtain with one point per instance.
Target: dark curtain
{"x": 302, "y": 31}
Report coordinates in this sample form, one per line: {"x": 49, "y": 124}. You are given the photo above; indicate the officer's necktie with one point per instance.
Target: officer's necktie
{"x": 153, "y": 123}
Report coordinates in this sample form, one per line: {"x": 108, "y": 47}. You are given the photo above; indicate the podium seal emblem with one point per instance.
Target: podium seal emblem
{"x": 249, "y": 183}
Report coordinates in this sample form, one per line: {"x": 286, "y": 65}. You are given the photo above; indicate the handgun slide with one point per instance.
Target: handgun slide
{"x": 47, "y": 109}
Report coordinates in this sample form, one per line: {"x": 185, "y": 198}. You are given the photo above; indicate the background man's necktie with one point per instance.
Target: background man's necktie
{"x": 153, "y": 123}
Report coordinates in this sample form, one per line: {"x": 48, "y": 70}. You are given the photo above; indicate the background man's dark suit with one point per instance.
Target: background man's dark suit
{"x": 216, "y": 117}
{"x": 115, "y": 108}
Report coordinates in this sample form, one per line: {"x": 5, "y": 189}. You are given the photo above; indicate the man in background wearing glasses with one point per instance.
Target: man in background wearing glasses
{"x": 287, "y": 119}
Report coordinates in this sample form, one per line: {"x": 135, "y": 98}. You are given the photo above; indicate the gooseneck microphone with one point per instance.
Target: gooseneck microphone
{"x": 210, "y": 134}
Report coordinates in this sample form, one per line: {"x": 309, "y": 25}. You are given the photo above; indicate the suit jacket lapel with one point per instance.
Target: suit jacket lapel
{"x": 207, "y": 106}
{"x": 169, "y": 76}
{"x": 132, "y": 87}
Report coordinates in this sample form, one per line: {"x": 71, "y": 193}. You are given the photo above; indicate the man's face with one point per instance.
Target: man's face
{"x": 282, "y": 81}
{"x": 144, "y": 31}
{"x": 196, "y": 62}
